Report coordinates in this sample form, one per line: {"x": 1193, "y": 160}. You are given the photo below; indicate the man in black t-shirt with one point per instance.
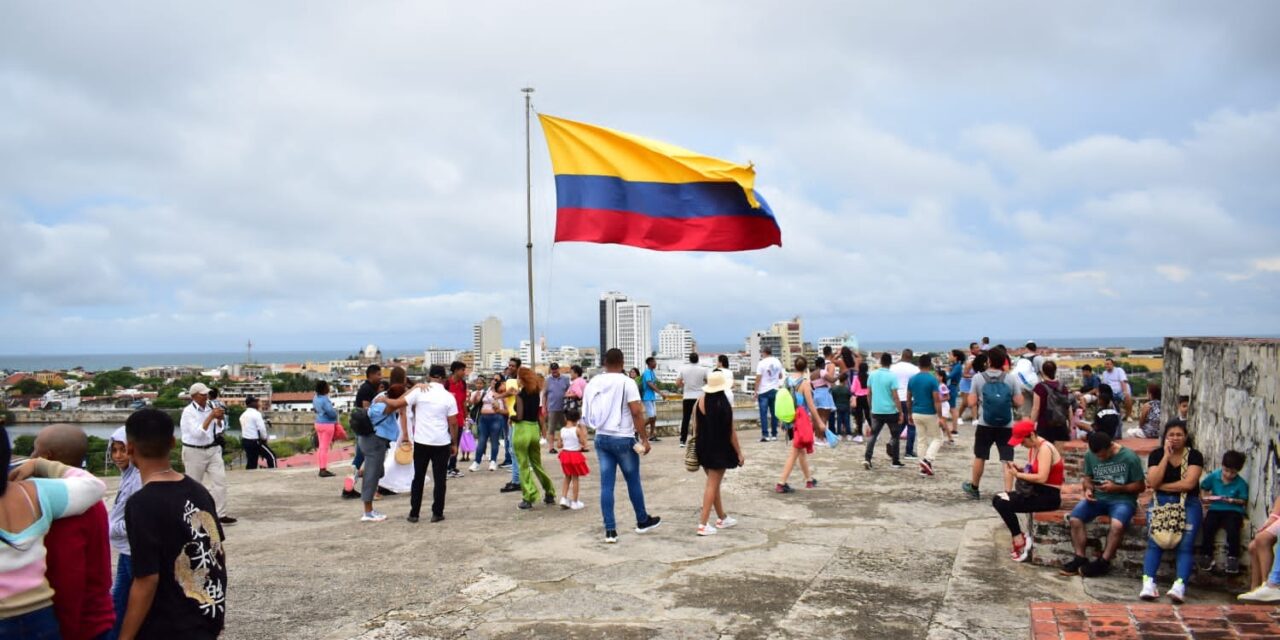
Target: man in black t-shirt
{"x": 179, "y": 564}
{"x": 368, "y": 390}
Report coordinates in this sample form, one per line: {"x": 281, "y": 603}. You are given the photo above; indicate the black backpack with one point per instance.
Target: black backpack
{"x": 1056, "y": 408}
{"x": 360, "y": 422}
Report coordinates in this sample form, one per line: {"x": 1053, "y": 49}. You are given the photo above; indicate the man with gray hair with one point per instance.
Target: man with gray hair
{"x": 202, "y": 447}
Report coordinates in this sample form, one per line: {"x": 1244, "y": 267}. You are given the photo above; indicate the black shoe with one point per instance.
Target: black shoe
{"x": 325, "y": 473}
{"x": 1097, "y": 568}
{"x": 412, "y": 519}
{"x": 525, "y": 504}
{"x": 1072, "y": 567}
{"x": 383, "y": 492}
{"x": 648, "y": 525}
{"x": 437, "y": 517}
{"x": 548, "y": 499}
{"x": 228, "y": 520}
{"x": 348, "y": 495}
{"x": 551, "y": 451}
{"x": 509, "y": 487}
{"x": 611, "y": 536}
{"x": 763, "y": 439}
{"x": 655, "y": 439}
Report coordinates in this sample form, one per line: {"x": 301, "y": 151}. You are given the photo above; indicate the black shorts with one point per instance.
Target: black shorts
{"x": 984, "y": 437}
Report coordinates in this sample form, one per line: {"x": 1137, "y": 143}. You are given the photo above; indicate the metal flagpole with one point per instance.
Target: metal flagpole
{"x": 528, "y": 185}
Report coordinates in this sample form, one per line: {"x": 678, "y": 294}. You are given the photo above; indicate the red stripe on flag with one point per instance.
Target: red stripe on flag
{"x": 707, "y": 233}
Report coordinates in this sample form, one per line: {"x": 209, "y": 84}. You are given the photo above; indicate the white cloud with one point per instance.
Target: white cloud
{"x": 1173, "y": 272}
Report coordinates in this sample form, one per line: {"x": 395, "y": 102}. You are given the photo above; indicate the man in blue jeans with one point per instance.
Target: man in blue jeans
{"x": 768, "y": 380}
{"x": 1113, "y": 477}
{"x": 611, "y": 405}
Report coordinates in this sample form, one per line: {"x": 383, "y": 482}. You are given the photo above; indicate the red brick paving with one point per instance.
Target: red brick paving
{"x": 1071, "y": 621}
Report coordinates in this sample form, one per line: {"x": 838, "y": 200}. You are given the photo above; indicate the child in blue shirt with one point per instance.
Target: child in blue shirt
{"x": 1227, "y": 494}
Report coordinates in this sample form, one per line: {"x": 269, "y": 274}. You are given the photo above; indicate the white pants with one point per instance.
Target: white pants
{"x": 928, "y": 429}
{"x": 202, "y": 463}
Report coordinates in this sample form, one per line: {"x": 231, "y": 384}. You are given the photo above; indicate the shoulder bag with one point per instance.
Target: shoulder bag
{"x": 1169, "y": 521}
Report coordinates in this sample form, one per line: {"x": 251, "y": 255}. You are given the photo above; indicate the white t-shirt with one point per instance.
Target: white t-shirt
{"x": 606, "y": 405}
{"x": 769, "y": 375}
{"x": 904, "y": 371}
{"x": 1115, "y": 379}
{"x": 430, "y": 409}
{"x": 252, "y": 426}
{"x": 695, "y": 378}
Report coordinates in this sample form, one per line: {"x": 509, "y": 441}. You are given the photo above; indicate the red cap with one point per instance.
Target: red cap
{"x": 1021, "y": 430}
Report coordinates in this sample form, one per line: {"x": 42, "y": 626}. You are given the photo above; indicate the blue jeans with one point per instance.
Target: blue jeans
{"x": 1274, "y": 577}
{"x": 1186, "y": 548}
{"x": 843, "y": 427}
{"x": 491, "y": 426}
{"x": 765, "y": 401}
{"x": 1121, "y": 510}
{"x": 37, "y": 625}
{"x": 120, "y": 591}
{"x": 358, "y": 459}
{"x": 911, "y": 429}
{"x": 613, "y": 452}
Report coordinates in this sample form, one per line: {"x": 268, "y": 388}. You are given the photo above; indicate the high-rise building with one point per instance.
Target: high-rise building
{"x": 790, "y": 331}
{"x": 635, "y": 332}
{"x": 609, "y": 320}
{"x": 443, "y": 357}
{"x": 756, "y": 343}
{"x": 486, "y": 338}
{"x": 675, "y": 341}
{"x": 526, "y": 356}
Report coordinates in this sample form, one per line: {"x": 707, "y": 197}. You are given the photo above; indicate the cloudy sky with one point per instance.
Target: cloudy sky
{"x": 177, "y": 177}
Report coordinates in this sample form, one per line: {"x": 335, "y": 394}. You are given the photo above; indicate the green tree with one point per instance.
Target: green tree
{"x": 107, "y": 382}
{"x": 31, "y": 387}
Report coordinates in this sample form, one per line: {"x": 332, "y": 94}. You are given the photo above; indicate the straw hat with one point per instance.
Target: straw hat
{"x": 718, "y": 381}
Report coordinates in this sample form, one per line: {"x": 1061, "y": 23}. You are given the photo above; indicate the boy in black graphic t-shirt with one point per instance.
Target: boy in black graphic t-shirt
{"x": 179, "y": 567}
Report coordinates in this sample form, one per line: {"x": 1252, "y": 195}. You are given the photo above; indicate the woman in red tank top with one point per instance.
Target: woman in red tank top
{"x": 1035, "y": 487}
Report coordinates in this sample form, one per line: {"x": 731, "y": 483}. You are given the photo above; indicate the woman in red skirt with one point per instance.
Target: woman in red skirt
{"x": 569, "y": 441}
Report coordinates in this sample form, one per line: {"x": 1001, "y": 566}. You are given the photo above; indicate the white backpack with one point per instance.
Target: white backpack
{"x": 1027, "y": 372}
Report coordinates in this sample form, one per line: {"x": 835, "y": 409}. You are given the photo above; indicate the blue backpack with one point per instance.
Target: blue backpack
{"x": 997, "y": 401}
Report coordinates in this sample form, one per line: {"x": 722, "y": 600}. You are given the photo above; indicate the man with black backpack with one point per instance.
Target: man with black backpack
{"x": 1051, "y": 406}
{"x": 996, "y": 394}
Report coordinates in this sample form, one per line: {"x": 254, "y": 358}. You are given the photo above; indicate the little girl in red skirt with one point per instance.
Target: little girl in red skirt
{"x": 574, "y": 465}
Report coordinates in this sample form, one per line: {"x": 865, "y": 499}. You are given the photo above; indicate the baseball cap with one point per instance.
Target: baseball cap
{"x": 1021, "y": 431}
{"x": 199, "y": 388}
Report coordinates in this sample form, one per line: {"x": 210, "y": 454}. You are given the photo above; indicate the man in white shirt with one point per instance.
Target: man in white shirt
{"x": 433, "y": 411}
{"x": 693, "y": 377}
{"x": 1118, "y": 380}
{"x": 611, "y": 406}
{"x": 905, "y": 370}
{"x": 253, "y": 435}
{"x": 202, "y": 450}
{"x": 769, "y": 374}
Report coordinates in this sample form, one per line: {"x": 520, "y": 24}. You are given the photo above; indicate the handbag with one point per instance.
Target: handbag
{"x": 404, "y": 453}
{"x": 1169, "y": 521}
{"x": 691, "y": 451}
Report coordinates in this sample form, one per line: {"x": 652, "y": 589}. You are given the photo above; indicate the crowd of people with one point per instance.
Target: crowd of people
{"x": 56, "y": 533}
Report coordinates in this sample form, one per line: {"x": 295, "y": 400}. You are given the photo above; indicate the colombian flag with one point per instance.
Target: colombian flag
{"x": 617, "y": 188}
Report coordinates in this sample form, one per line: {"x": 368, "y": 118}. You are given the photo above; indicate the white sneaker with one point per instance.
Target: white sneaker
{"x": 725, "y": 522}
{"x": 493, "y": 464}
{"x": 1148, "y": 592}
{"x": 1178, "y": 592}
{"x": 858, "y": 439}
{"x": 1265, "y": 593}
{"x": 475, "y": 466}
{"x": 373, "y": 516}
{"x": 565, "y": 504}
{"x": 706, "y": 530}
{"x": 576, "y": 504}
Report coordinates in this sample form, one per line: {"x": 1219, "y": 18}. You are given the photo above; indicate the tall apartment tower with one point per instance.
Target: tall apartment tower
{"x": 635, "y": 332}
{"x": 675, "y": 341}
{"x": 609, "y": 321}
{"x": 486, "y": 339}
{"x": 792, "y": 339}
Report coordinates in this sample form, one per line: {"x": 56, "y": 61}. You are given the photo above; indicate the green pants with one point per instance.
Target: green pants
{"x": 528, "y": 450}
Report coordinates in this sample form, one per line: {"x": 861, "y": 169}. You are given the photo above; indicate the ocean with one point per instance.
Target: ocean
{"x": 107, "y": 361}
